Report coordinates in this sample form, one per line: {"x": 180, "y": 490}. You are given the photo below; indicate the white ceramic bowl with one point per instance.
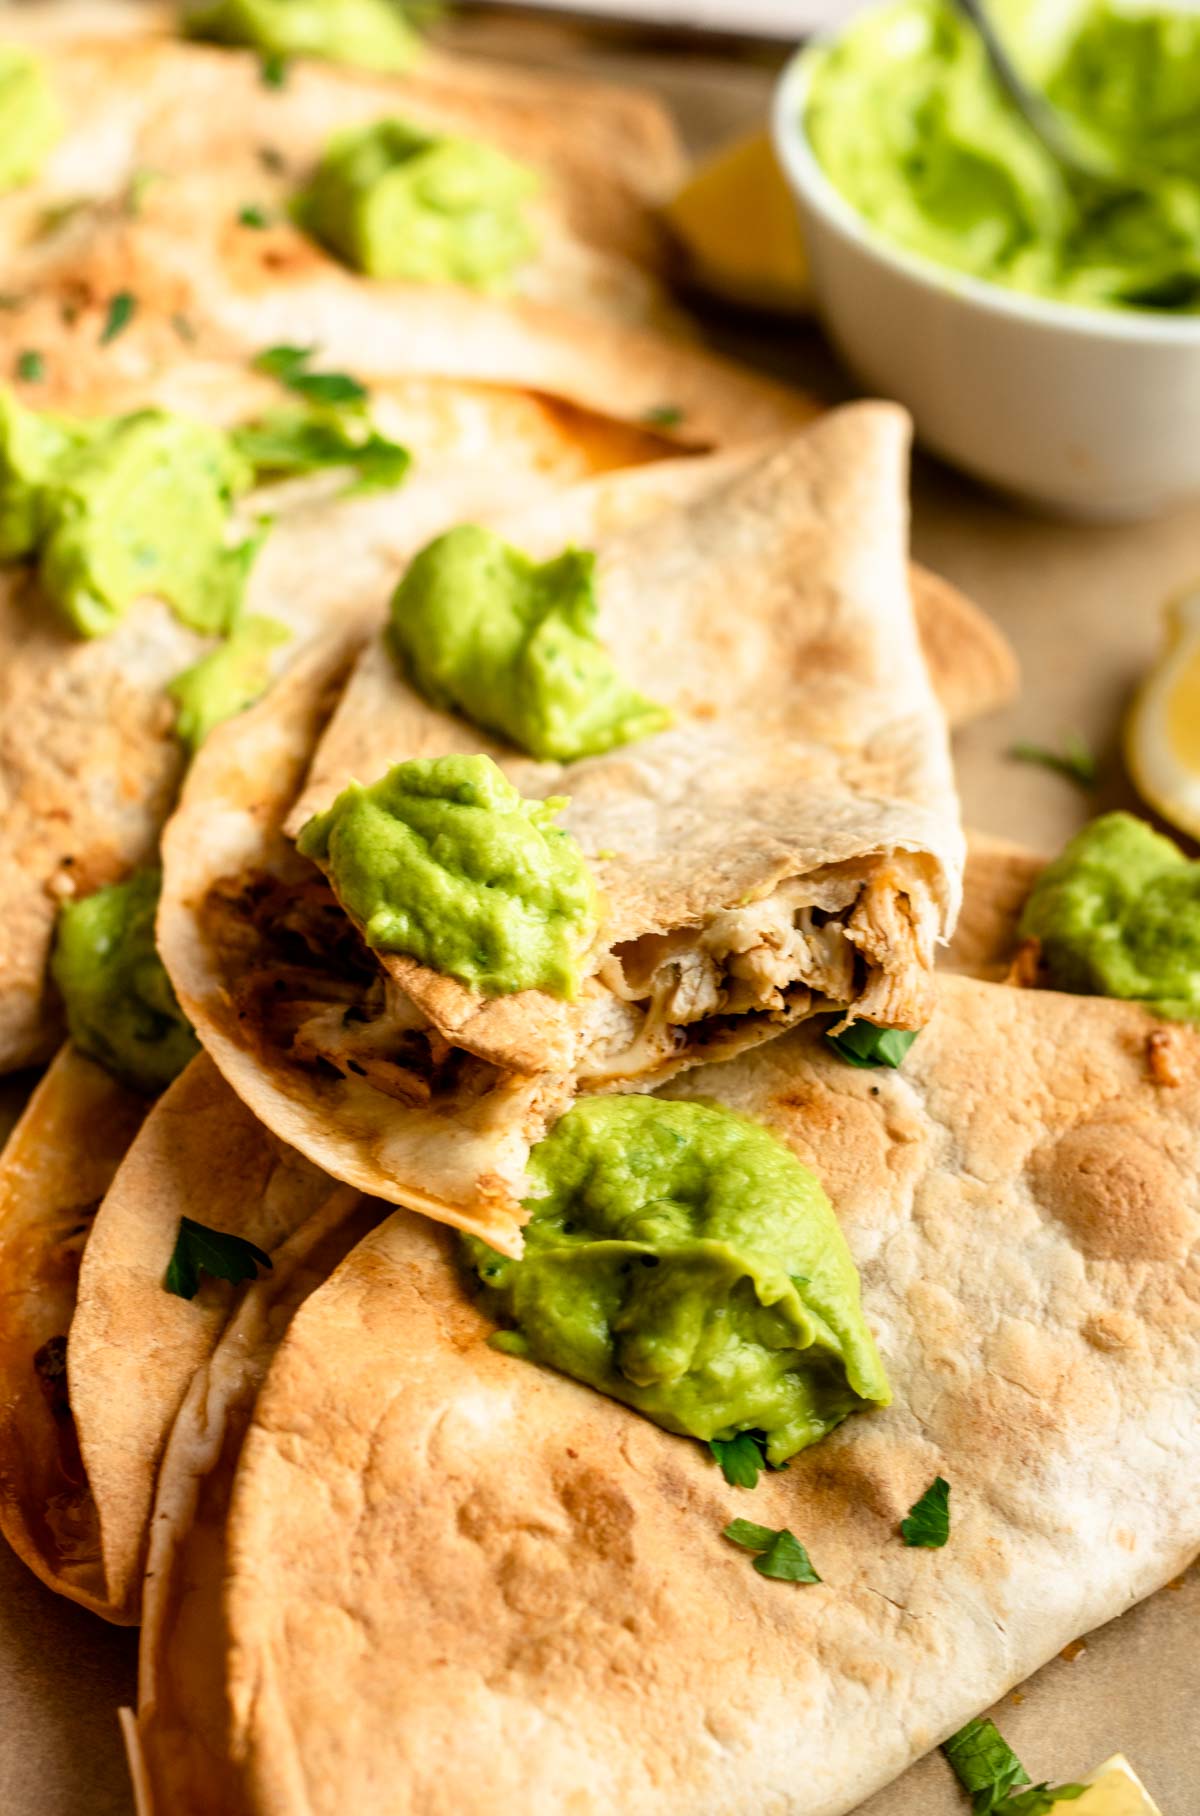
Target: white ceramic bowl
{"x": 1085, "y": 412}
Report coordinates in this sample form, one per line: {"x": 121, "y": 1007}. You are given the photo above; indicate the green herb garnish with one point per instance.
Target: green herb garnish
{"x": 663, "y": 416}
{"x": 990, "y": 1771}
{"x": 251, "y": 215}
{"x": 120, "y": 314}
{"x": 863, "y": 1044}
{"x": 1075, "y": 761}
{"x": 273, "y": 69}
{"x": 140, "y": 183}
{"x": 928, "y": 1522}
{"x": 289, "y": 365}
{"x": 303, "y": 440}
{"x": 741, "y": 1458}
{"x": 31, "y": 367}
{"x": 183, "y": 327}
{"x": 201, "y": 1250}
{"x": 780, "y": 1553}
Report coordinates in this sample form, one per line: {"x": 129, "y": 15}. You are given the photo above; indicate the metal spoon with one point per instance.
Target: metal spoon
{"x": 1084, "y": 166}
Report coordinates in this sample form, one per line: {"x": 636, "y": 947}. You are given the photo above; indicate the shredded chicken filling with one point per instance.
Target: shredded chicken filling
{"x": 305, "y": 982}
{"x": 826, "y": 941}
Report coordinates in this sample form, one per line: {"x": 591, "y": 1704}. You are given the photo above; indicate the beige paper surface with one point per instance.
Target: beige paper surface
{"x": 1082, "y": 606}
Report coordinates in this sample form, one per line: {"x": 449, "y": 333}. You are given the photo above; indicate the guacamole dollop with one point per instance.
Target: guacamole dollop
{"x": 445, "y": 861}
{"x": 512, "y": 644}
{"x": 1118, "y": 914}
{"x": 226, "y": 681}
{"x": 30, "y": 120}
{"x": 121, "y": 1009}
{"x": 373, "y": 34}
{"x": 911, "y": 126}
{"x": 117, "y": 508}
{"x": 681, "y": 1259}
{"x": 396, "y": 201}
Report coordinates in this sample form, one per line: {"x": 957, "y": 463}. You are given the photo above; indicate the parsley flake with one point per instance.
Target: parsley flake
{"x": 864, "y": 1044}
{"x": 990, "y": 1771}
{"x": 31, "y": 367}
{"x": 297, "y": 439}
{"x": 201, "y": 1250}
{"x": 741, "y": 1458}
{"x": 183, "y": 327}
{"x": 251, "y": 215}
{"x": 273, "y": 69}
{"x": 289, "y": 365}
{"x": 928, "y": 1522}
{"x": 663, "y": 416}
{"x": 780, "y": 1553}
{"x": 120, "y": 314}
{"x": 1075, "y": 761}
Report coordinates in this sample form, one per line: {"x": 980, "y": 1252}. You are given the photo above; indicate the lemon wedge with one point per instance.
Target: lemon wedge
{"x": 1162, "y": 736}
{"x": 736, "y": 224}
{"x": 1114, "y": 1789}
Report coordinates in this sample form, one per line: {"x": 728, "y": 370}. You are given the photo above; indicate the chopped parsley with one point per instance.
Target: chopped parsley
{"x": 31, "y": 367}
{"x": 928, "y": 1522}
{"x": 663, "y": 416}
{"x": 183, "y": 327}
{"x": 120, "y": 314}
{"x": 989, "y": 1770}
{"x": 140, "y": 183}
{"x": 251, "y": 215}
{"x": 290, "y": 366}
{"x": 741, "y": 1458}
{"x": 302, "y": 439}
{"x": 201, "y": 1250}
{"x": 273, "y": 69}
{"x": 780, "y": 1553}
{"x": 1075, "y": 761}
{"x": 863, "y": 1044}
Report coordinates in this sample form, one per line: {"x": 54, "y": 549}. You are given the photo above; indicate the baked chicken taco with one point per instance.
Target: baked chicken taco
{"x": 761, "y": 824}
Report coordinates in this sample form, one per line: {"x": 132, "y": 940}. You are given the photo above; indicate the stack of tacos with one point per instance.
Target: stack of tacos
{"x": 520, "y": 1212}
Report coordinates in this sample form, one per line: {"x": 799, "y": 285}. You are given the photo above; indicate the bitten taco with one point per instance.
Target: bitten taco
{"x": 787, "y": 844}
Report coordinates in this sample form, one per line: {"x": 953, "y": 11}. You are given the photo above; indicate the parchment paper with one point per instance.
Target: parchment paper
{"x": 1082, "y": 605}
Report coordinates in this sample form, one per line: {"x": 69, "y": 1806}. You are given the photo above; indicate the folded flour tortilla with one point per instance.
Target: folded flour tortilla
{"x": 135, "y": 95}
{"x": 89, "y": 763}
{"x": 456, "y": 1580}
{"x": 586, "y": 320}
{"x": 79, "y": 1466}
{"x": 790, "y": 845}
{"x": 57, "y": 1165}
{"x": 181, "y": 1706}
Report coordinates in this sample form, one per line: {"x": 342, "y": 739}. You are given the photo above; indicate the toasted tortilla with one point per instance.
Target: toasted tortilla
{"x": 783, "y": 637}
{"x": 180, "y": 1706}
{"x": 456, "y": 1580}
{"x": 586, "y": 321}
{"x": 133, "y": 1347}
{"x": 89, "y": 764}
{"x": 136, "y": 95}
{"x": 56, "y": 1167}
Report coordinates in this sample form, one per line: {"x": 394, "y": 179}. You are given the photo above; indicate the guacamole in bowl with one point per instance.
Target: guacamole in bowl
{"x": 908, "y": 122}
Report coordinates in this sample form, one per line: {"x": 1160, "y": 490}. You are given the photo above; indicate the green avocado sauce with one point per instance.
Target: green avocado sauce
{"x": 444, "y": 861}
{"x": 485, "y": 631}
{"x": 372, "y": 34}
{"x": 681, "y": 1259}
{"x": 226, "y": 681}
{"x": 396, "y": 201}
{"x": 1118, "y": 914}
{"x": 121, "y": 1009}
{"x": 114, "y": 509}
{"x": 30, "y": 120}
{"x": 913, "y": 129}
